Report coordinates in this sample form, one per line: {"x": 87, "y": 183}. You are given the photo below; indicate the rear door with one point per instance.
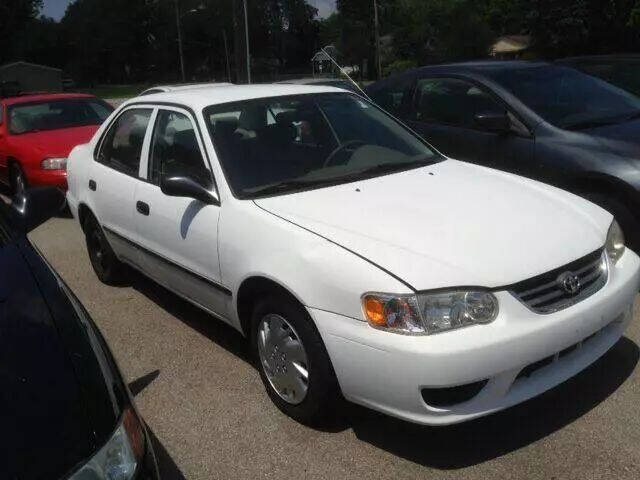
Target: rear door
{"x": 115, "y": 175}
{"x": 179, "y": 235}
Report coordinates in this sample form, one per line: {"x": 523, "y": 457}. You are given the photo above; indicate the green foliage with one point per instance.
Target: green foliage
{"x": 15, "y": 16}
{"x": 634, "y": 17}
{"x": 399, "y": 66}
{"x": 134, "y": 41}
{"x": 435, "y": 30}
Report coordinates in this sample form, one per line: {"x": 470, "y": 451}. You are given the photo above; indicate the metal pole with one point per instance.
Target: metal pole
{"x": 375, "y": 15}
{"x": 184, "y": 77}
{"x": 226, "y": 54}
{"x": 246, "y": 39}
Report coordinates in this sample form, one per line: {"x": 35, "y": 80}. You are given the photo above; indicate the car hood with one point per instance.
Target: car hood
{"x": 622, "y": 138}
{"x": 45, "y": 427}
{"x": 451, "y": 224}
{"x": 55, "y": 142}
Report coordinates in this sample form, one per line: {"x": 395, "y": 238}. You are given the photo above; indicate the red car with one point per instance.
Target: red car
{"x": 37, "y": 133}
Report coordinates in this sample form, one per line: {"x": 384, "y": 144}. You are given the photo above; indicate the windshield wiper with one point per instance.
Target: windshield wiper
{"x": 602, "y": 122}
{"x": 634, "y": 116}
{"x": 392, "y": 167}
{"x": 287, "y": 185}
{"x": 298, "y": 183}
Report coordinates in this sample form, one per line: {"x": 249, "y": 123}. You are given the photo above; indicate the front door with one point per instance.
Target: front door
{"x": 443, "y": 111}
{"x": 179, "y": 235}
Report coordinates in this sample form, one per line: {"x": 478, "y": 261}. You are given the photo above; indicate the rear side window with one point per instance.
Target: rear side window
{"x": 122, "y": 145}
{"x": 451, "y": 101}
{"x": 175, "y": 150}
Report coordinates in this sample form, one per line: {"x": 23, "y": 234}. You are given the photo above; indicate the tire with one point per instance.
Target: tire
{"x": 627, "y": 220}
{"x": 106, "y": 265}
{"x": 317, "y": 404}
{"x": 17, "y": 179}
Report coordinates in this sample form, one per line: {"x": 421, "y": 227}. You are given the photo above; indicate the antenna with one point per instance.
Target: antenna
{"x": 323, "y": 50}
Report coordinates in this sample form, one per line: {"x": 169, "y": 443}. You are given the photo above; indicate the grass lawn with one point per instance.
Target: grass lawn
{"x": 115, "y": 91}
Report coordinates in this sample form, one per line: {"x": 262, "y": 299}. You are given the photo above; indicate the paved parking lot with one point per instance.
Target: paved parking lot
{"x": 205, "y": 405}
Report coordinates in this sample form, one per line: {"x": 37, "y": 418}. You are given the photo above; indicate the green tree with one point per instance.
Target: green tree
{"x": 15, "y": 15}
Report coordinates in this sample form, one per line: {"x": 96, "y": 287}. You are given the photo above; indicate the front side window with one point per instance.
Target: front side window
{"x": 55, "y": 115}
{"x": 393, "y": 95}
{"x": 122, "y": 145}
{"x": 276, "y": 145}
{"x": 175, "y": 151}
{"x": 451, "y": 101}
{"x": 568, "y": 98}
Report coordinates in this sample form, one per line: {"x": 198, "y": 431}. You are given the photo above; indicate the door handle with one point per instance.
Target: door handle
{"x": 92, "y": 185}
{"x": 143, "y": 208}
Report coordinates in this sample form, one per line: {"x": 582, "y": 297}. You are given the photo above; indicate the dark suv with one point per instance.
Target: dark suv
{"x": 547, "y": 122}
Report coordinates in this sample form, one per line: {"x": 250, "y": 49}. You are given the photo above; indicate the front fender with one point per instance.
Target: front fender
{"x": 321, "y": 274}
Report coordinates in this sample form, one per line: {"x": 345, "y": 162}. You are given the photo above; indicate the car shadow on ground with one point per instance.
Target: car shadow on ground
{"x": 205, "y": 324}
{"x": 167, "y": 468}
{"x": 470, "y": 443}
{"x": 450, "y": 447}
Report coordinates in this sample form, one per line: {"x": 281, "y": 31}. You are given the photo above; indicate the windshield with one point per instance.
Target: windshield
{"x": 276, "y": 145}
{"x": 54, "y": 115}
{"x": 568, "y": 98}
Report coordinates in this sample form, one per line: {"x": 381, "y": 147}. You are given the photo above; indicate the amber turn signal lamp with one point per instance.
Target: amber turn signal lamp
{"x": 374, "y": 309}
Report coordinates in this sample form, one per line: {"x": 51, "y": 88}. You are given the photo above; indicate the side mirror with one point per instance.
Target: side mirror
{"x": 35, "y": 206}
{"x": 493, "y": 121}
{"x": 185, "y": 187}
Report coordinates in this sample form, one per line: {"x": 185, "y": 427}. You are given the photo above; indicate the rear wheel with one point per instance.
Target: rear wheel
{"x": 292, "y": 360}
{"x": 17, "y": 180}
{"x": 103, "y": 260}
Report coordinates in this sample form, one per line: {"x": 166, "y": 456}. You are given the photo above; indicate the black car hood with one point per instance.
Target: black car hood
{"x": 622, "y": 138}
{"x": 45, "y": 427}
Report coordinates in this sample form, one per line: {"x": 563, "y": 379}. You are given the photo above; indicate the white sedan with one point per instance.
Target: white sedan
{"x": 358, "y": 260}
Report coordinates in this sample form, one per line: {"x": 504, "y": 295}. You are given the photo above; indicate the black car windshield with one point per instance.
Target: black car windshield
{"x": 54, "y": 115}
{"x": 276, "y": 145}
{"x": 568, "y": 98}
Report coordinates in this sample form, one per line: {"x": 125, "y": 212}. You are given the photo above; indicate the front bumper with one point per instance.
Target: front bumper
{"x": 387, "y": 371}
{"x": 47, "y": 178}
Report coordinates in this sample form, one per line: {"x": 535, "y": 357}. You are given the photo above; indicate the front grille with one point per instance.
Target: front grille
{"x": 545, "y": 294}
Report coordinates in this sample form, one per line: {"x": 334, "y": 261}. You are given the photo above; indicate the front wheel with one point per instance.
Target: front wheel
{"x": 292, "y": 360}
{"x": 106, "y": 265}
{"x": 17, "y": 179}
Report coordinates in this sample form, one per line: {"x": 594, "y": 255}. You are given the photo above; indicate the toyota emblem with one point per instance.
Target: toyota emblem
{"x": 569, "y": 282}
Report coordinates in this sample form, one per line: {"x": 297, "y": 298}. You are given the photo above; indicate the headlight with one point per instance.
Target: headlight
{"x": 118, "y": 459}
{"x": 428, "y": 313}
{"x": 54, "y": 164}
{"x": 615, "y": 242}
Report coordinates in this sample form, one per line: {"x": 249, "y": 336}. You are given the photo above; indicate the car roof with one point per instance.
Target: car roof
{"x": 311, "y": 80}
{"x": 200, "y": 98}
{"x": 186, "y": 86}
{"x": 461, "y": 68}
{"x": 616, "y": 57}
{"x": 43, "y": 97}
